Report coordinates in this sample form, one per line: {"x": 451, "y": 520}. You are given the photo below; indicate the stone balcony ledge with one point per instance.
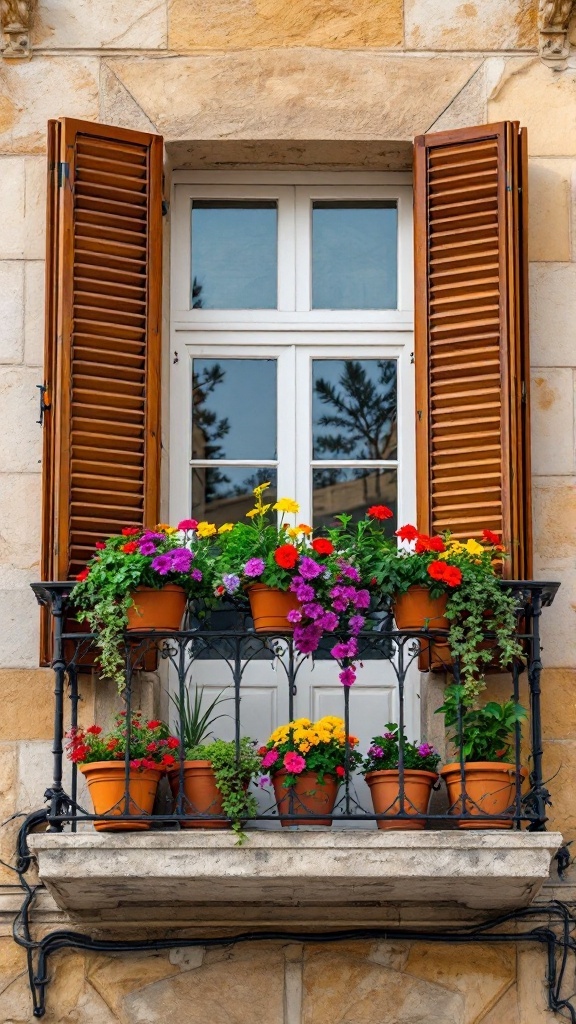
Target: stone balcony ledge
{"x": 92, "y": 874}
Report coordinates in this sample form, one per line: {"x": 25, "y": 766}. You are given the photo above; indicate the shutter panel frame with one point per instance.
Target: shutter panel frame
{"x": 471, "y": 326}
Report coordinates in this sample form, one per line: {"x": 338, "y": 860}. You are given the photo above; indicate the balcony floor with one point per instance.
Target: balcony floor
{"x": 93, "y": 874}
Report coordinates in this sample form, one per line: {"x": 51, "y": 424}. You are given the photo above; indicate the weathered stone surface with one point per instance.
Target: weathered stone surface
{"x": 101, "y": 24}
{"x": 551, "y": 121}
{"x": 552, "y": 320}
{"x": 506, "y": 1009}
{"x": 8, "y": 787}
{"x": 34, "y": 313}
{"x": 552, "y": 415}
{"x": 274, "y": 94}
{"x": 21, "y": 450}
{"x": 19, "y": 636}
{"x": 20, "y": 534}
{"x": 549, "y": 209}
{"x": 481, "y": 974}
{"x": 117, "y": 106}
{"x": 481, "y": 870}
{"x": 559, "y": 704}
{"x": 117, "y": 977}
{"x": 26, "y": 700}
{"x": 311, "y": 155}
{"x": 46, "y": 87}
{"x": 460, "y": 25}
{"x": 560, "y": 766}
{"x": 232, "y": 25}
{"x": 22, "y": 207}
{"x": 531, "y": 989}
{"x": 12, "y": 311}
{"x": 468, "y": 107}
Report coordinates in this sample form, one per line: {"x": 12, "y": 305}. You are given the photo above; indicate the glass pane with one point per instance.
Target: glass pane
{"x": 234, "y": 409}
{"x": 223, "y": 494}
{"x": 234, "y": 255}
{"x": 338, "y": 489}
{"x": 354, "y": 407}
{"x": 354, "y": 255}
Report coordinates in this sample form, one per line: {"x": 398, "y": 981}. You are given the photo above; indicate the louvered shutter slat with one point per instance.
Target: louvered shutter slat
{"x": 471, "y": 336}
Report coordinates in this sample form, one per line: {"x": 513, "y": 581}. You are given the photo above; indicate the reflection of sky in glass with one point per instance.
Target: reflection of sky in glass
{"x": 354, "y": 408}
{"x": 234, "y": 255}
{"x": 224, "y": 494}
{"x": 240, "y": 406}
{"x": 337, "y": 490}
{"x": 354, "y": 255}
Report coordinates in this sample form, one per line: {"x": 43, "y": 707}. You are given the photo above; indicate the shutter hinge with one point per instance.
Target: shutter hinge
{"x": 63, "y": 173}
{"x": 524, "y": 393}
{"x": 165, "y": 208}
{"x": 44, "y": 405}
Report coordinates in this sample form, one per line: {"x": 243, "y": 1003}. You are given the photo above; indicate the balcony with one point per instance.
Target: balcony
{"x": 181, "y": 857}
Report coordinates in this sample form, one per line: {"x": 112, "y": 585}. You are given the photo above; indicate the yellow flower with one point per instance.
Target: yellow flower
{"x": 474, "y": 548}
{"x": 253, "y": 512}
{"x": 261, "y": 487}
{"x": 257, "y": 511}
{"x": 291, "y": 531}
{"x": 304, "y": 747}
{"x": 305, "y": 529}
{"x": 205, "y": 529}
{"x": 226, "y": 527}
{"x": 286, "y": 505}
{"x": 166, "y": 528}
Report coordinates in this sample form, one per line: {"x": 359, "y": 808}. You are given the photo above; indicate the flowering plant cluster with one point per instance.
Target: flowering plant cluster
{"x": 151, "y": 745}
{"x": 136, "y": 557}
{"x": 303, "y": 745}
{"x": 384, "y": 753}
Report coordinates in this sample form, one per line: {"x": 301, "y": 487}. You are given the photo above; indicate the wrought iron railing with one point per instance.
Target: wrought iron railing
{"x": 236, "y": 648}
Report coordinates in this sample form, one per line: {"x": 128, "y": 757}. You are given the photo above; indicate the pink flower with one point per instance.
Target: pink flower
{"x": 294, "y": 763}
{"x": 294, "y": 616}
{"x": 188, "y": 524}
{"x": 269, "y": 758}
{"x": 347, "y": 676}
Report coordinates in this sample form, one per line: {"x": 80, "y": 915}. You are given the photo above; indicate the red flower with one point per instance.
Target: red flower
{"x": 407, "y": 532}
{"x": 148, "y": 763}
{"x": 173, "y": 742}
{"x": 437, "y": 570}
{"x": 130, "y": 531}
{"x": 380, "y": 512}
{"x": 453, "y": 576}
{"x": 262, "y": 751}
{"x": 437, "y": 544}
{"x": 424, "y": 543}
{"x": 151, "y": 747}
{"x": 168, "y": 761}
{"x": 136, "y": 763}
{"x": 95, "y": 730}
{"x": 100, "y": 545}
{"x": 490, "y": 537}
{"x": 322, "y": 546}
{"x": 112, "y": 744}
{"x": 83, "y": 575}
{"x": 79, "y": 753}
{"x": 340, "y": 771}
{"x": 153, "y": 724}
{"x": 448, "y": 574}
{"x": 286, "y": 556}
{"x": 188, "y": 524}
{"x": 130, "y": 547}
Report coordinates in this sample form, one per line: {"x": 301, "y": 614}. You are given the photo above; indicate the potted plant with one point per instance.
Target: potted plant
{"x": 484, "y": 780}
{"x": 440, "y": 583}
{"x": 101, "y": 757}
{"x": 141, "y": 580}
{"x": 215, "y": 779}
{"x": 381, "y": 769}
{"x": 306, "y": 763}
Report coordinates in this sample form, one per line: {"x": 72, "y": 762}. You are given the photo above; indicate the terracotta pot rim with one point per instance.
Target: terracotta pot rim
{"x": 493, "y": 766}
{"x": 189, "y": 764}
{"x": 140, "y": 773}
{"x": 410, "y": 772}
{"x": 157, "y": 590}
{"x": 266, "y": 586}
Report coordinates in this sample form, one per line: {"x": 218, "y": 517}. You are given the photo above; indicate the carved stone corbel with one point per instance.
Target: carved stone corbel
{"x": 554, "y": 21}
{"x": 16, "y": 18}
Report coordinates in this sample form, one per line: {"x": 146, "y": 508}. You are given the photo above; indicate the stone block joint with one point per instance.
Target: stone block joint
{"x": 16, "y": 21}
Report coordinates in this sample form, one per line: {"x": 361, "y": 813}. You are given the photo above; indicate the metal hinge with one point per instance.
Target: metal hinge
{"x": 524, "y": 393}
{"x": 165, "y": 208}
{"x": 63, "y": 173}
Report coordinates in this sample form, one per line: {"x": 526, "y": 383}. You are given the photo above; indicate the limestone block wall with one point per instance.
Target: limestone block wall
{"x": 322, "y": 83}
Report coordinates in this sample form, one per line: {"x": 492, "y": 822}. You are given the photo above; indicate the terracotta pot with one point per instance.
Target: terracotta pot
{"x": 106, "y": 782}
{"x": 269, "y": 608}
{"x": 309, "y": 797}
{"x": 201, "y": 794}
{"x": 490, "y": 789}
{"x": 385, "y": 793}
{"x": 157, "y": 609}
{"x": 416, "y": 609}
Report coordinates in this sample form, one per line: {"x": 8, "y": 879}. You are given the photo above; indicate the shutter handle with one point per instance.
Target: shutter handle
{"x": 44, "y": 406}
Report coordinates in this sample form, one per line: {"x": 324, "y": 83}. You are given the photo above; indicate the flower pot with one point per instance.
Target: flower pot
{"x": 416, "y": 609}
{"x": 269, "y": 608}
{"x": 106, "y": 782}
{"x": 385, "y": 793}
{"x": 201, "y": 794}
{"x": 157, "y": 609}
{"x": 309, "y": 797}
{"x": 490, "y": 789}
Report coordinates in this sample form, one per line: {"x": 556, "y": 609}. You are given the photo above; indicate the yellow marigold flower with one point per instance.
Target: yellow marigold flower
{"x": 304, "y": 747}
{"x": 286, "y": 505}
{"x": 473, "y": 547}
{"x": 205, "y": 529}
{"x": 301, "y": 721}
{"x": 305, "y": 529}
{"x": 166, "y": 528}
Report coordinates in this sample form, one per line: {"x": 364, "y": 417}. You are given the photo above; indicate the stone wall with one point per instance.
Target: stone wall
{"x": 281, "y": 83}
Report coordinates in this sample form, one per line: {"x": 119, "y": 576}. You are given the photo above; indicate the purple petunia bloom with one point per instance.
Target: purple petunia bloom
{"x": 345, "y": 650}
{"x": 350, "y": 571}
{"x": 231, "y": 582}
{"x": 307, "y": 638}
{"x": 314, "y": 610}
{"x": 309, "y": 569}
{"x": 355, "y": 623}
{"x": 182, "y": 559}
{"x": 362, "y": 599}
{"x": 162, "y": 564}
{"x": 150, "y": 535}
{"x": 254, "y": 567}
{"x": 294, "y": 616}
{"x": 348, "y": 676}
{"x": 375, "y": 751}
{"x": 389, "y": 735}
{"x": 304, "y": 592}
{"x": 425, "y": 749}
{"x": 328, "y": 622}
{"x": 147, "y": 547}
{"x": 196, "y": 575}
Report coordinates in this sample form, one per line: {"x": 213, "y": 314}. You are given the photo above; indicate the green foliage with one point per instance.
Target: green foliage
{"x": 151, "y": 745}
{"x": 233, "y": 773}
{"x": 318, "y": 747}
{"x": 481, "y": 734}
{"x": 193, "y": 726}
{"x": 384, "y": 753}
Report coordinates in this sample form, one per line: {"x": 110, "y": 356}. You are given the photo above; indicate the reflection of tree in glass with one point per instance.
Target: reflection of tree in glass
{"x": 361, "y": 417}
{"x": 207, "y": 429}
{"x": 257, "y": 478}
{"x": 196, "y": 294}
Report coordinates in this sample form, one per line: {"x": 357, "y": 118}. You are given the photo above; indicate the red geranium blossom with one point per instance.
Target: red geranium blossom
{"x": 448, "y": 574}
{"x": 453, "y": 576}
{"x": 100, "y": 545}
{"x": 130, "y": 547}
{"x": 424, "y": 543}
{"x": 340, "y": 771}
{"x": 490, "y": 537}
{"x": 153, "y": 723}
{"x": 286, "y": 556}
{"x": 437, "y": 544}
{"x": 322, "y": 546}
{"x": 94, "y": 729}
{"x": 437, "y": 570}
{"x": 168, "y": 761}
{"x": 173, "y": 742}
{"x": 407, "y": 532}
{"x": 262, "y": 751}
{"x": 83, "y": 575}
{"x": 380, "y": 512}
{"x": 130, "y": 531}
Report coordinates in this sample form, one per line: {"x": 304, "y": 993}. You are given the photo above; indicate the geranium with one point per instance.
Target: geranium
{"x": 407, "y": 533}
{"x": 130, "y": 547}
{"x": 380, "y": 512}
{"x": 144, "y": 743}
{"x": 322, "y": 546}
{"x": 188, "y": 524}
{"x": 321, "y": 747}
{"x": 83, "y": 575}
{"x": 286, "y": 556}
{"x": 130, "y": 531}
{"x": 294, "y": 763}
{"x": 490, "y": 537}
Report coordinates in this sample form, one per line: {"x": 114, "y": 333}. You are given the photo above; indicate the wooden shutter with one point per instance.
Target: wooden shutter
{"x": 471, "y": 343}
{"x": 102, "y": 342}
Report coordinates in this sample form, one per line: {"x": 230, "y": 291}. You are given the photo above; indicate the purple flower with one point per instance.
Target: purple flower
{"x": 231, "y": 582}
{"x": 182, "y": 559}
{"x": 339, "y": 604}
{"x": 375, "y": 751}
{"x": 425, "y": 749}
{"x": 348, "y": 676}
{"x": 162, "y": 564}
{"x": 328, "y": 622}
{"x": 362, "y": 599}
{"x": 147, "y": 547}
{"x": 350, "y": 571}
{"x": 304, "y": 592}
{"x": 356, "y": 623}
{"x": 196, "y": 575}
{"x": 264, "y": 781}
{"x": 389, "y": 735}
{"x": 294, "y": 616}
{"x": 345, "y": 650}
{"x": 314, "y": 610}
{"x": 309, "y": 569}
{"x": 254, "y": 567}
{"x": 307, "y": 638}
{"x": 150, "y": 535}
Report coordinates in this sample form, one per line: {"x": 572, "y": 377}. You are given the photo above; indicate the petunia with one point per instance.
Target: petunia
{"x": 294, "y": 616}
{"x": 328, "y": 622}
{"x": 362, "y": 599}
{"x": 355, "y": 623}
{"x": 254, "y": 567}
{"x": 347, "y": 676}
{"x": 313, "y": 610}
{"x": 196, "y": 575}
{"x": 264, "y": 781}
{"x": 231, "y": 582}
{"x": 309, "y": 569}
{"x": 375, "y": 751}
{"x": 162, "y": 564}
{"x": 307, "y": 638}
